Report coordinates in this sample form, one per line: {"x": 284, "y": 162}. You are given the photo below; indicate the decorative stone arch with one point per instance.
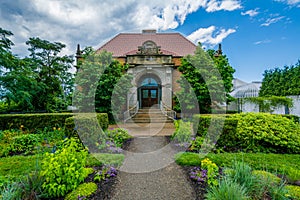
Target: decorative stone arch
{"x": 149, "y": 88}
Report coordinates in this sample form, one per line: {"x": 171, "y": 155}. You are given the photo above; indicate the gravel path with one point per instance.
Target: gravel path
{"x": 149, "y": 172}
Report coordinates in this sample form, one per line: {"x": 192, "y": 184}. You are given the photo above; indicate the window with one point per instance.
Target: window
{"x": 149, "y": 82}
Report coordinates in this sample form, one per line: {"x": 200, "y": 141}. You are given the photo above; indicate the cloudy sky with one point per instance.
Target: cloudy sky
{"x": 255, "y": 34}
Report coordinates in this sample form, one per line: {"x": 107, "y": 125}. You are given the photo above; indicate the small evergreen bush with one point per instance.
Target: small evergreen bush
{"x": 84, "y": 190}
{"x": 183, "y": 131}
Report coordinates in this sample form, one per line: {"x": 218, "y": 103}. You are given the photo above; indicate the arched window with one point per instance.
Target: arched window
{"x": 149, "y": 82}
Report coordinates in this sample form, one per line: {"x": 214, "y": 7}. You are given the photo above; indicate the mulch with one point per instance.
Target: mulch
{"x": 105, "y": 188}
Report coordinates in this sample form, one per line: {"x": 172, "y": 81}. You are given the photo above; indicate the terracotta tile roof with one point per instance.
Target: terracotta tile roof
{"x": 170, "y": 43}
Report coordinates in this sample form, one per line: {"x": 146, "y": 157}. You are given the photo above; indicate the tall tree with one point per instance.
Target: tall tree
{"x": 36, "y": 82}
{"x": 209, "y": 76}
{"x": 12, "y": 81}
{"x": 52, "y": 73}
{"x": 98, "y": 80}
{"x": 281, "y": 81}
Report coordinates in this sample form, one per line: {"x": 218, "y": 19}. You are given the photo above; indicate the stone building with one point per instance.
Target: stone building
{"x": 153, "y": 59}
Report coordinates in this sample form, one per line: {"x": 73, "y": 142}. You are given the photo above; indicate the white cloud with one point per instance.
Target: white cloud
{"x": 270, "y": 21}
{"x": 251, "y": 13}
{"x": 93, "y": 21}
{"x": 228, "y": 5}
{"x": 262, "y": 42}
{"x": 290, "y": 2}
{"x": 209, "y": 36}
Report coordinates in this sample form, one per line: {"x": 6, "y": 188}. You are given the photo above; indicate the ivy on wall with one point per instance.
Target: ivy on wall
{"x": 269, "y": 104}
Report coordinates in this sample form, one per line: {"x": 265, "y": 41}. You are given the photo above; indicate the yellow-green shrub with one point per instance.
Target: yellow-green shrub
{"x": 83, "y": 190}
{"x": 293, "y": 191}
{"x": 266, "y": 176}
{"x": 252, "y": 132}
{"x": 64, "y": 170}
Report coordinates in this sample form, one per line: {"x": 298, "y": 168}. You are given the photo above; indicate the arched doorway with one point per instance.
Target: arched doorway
{"x": 149, "y": 91}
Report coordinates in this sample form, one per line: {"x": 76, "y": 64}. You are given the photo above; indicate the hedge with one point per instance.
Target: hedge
{"x": 86, "y": 120}
{"x": 251, "y": 132}
{"x": 32, "y": 122}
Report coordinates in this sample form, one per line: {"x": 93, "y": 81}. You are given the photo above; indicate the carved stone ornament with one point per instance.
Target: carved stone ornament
{"x": 149, "y": 48}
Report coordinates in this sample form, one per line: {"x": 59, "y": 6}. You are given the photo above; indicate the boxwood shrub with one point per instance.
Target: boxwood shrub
{"x": 33, "y": 122}
{"x": 252, "y": 132}
{"x": 86, "y": 119}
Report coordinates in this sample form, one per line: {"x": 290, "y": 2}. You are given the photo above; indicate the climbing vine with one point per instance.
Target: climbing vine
{"x": 269, "y": 104}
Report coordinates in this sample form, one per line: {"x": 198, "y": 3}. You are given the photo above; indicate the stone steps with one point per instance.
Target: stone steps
{"x": 150, "y": 115}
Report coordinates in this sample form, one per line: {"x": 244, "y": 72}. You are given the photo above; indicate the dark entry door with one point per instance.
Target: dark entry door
{"x": 149, "y": 97}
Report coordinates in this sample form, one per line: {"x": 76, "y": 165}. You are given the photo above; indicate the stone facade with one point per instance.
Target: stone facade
{"x": 153, "y": 59}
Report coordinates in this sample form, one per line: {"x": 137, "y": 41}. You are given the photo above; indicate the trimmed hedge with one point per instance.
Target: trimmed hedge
{"x": 33, "y": 122}
{"x": 86, "y": 120}
{"x": 251, "y": 132}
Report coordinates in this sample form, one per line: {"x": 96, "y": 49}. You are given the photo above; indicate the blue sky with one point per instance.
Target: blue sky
{"x": 256, "y": 34}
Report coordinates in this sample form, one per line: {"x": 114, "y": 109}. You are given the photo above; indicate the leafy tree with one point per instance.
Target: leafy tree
{"x": 13, "y": 75}
{"x": 210, "y": 78}
{"x": 98, "y": 78}
{"x": 38, "y": 82}
{"x": 52, "y": 73}
{"x": 281, "y": 82}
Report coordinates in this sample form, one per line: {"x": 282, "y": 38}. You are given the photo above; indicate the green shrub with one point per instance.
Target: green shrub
{"x": 51, "y": 136}
{"x": 11, "y": 191}
{"x": 220, "y": 124}
{"x": 242, "y": 174}
{"x": 118, "y": 135}
{"x": 263, "y": 132}
{"x": 183, "y": 131}
{"x": 275, "y": 163}
{"x": 23, "y": 144}
{"x": 64, "y": 169}
{"x": 253, "y": 132}
{"x": 227, "y": 190}
{"x": 31, "y": 186}
{"x": 87, "y": 121}
{"x": 293, "y": 191}
{"x": 293, "y": 175}
{"x": 83, "y": 190}
{"x": 33, "y": 122}
{"x": 294, "y": 118}
{"x": 278, "y": 192}
{"x": 266, "y": 176}
{"x": 87, "y": 171}
{"x": 188, "y": 159}
{"x": 196, "y": 143}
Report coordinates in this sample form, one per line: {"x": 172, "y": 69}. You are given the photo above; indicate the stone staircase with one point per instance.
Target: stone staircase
{"x": 150, "y": 115}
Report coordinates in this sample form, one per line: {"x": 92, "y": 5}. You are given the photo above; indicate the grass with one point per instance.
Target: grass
{"x": 279, "y": 163}
{"x": 106, "y": 159}
{"x": 15, "y": 167}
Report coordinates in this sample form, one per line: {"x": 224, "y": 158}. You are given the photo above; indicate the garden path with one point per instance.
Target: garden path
{"x": 149, "y": 172}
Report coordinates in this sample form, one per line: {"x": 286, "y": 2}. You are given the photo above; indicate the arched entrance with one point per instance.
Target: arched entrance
{"x": 149, "y": 91}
